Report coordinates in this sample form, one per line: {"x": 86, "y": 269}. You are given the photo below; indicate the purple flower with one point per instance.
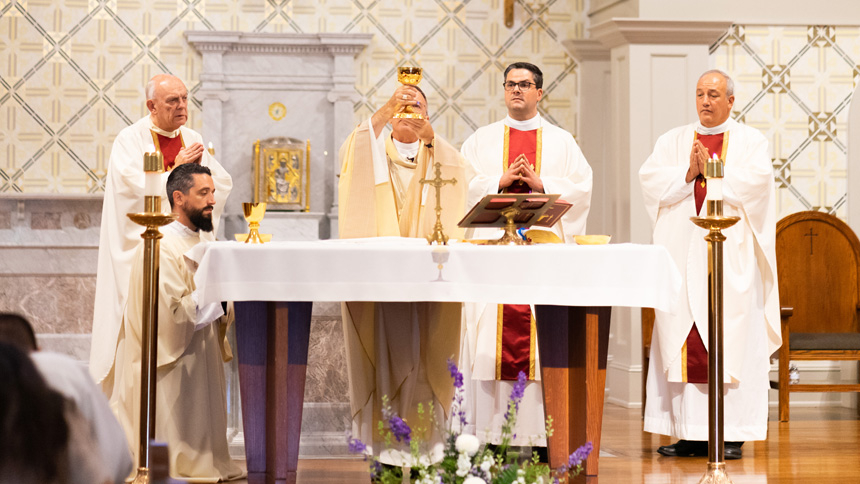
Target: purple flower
{"x": 519, "y": 389}
{"x": 455, "y": 374}
{"x": 399, "y": 428}
{"x": 355, "y": 446}
{"x": 579, "y": 455}
{"x": 375, "y": 470}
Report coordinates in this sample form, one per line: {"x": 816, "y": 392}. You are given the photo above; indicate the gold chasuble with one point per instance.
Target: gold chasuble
{"x": 516, "y": 332}
{"x": 694, "y": 355}
{"x": 398, "y": 349}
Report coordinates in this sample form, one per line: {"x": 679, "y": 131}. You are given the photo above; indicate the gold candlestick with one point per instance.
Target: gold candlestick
{"x": 211, "y": 149}
{"x": 437, "y": 182}
{"x": 715, "y": 222}
{"x": 152, "y": 219}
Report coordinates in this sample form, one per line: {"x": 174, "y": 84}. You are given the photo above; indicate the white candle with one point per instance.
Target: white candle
{"x": 152, "y": 179}
{"x": 715, "y": 185}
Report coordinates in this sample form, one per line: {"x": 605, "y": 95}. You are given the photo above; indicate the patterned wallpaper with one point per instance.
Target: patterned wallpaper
{"x": 795, "y": 85}
{"x": 72, "y": 71}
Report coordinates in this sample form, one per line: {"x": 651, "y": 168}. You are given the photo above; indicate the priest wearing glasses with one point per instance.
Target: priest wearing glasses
{"x": 522, "y": 153}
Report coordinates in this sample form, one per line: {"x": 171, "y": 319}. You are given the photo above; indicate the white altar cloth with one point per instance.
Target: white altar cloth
{"x": 401, "y": 269}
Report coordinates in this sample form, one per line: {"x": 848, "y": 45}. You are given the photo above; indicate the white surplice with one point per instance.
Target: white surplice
{"x": 563, "y": 171}
{"x": 191, "y": 399}
{"x": 119, "y": 236}
{"x": 398, "y": 349}
{"x": 751, "y": 309}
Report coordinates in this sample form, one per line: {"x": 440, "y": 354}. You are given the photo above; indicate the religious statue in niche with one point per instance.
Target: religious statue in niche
{"x": 282, "y": 174}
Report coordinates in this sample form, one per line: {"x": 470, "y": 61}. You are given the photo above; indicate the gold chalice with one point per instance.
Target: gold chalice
{"x": 254, "y": 213}
{"x": 411, "y": 76}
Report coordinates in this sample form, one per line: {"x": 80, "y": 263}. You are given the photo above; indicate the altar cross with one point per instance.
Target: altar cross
{"x": 810, "y": 235}
{"x": 437, "y": 182}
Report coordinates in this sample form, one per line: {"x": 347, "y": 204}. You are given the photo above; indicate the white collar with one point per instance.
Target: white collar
{"x": 168, "y": 134}
{"x": 179, "y": 229}
{"x": 715, "y": 130}
{"x": 407, "y": 150}
{"x": 527, "y": 125}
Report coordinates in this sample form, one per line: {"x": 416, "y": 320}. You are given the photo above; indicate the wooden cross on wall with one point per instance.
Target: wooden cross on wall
{"x": 810, "y": 235}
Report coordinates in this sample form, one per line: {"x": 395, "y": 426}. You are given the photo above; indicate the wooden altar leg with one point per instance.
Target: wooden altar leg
{"x": 573, "y": 343}
{"x": 272, "y": 340}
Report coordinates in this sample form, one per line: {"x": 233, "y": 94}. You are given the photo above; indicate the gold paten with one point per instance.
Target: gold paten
{"x": 409, "y": 76}
{"x": 254, "y": 213}
{"x": 437, "y": 182}
{"x": 282, "y": 178}
{"x": 152, "y": 219}
{"x": 537, "y": 236}
{"x": 591, "y": 239}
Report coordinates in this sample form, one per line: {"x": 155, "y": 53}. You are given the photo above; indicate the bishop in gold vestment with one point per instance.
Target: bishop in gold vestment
{"x": 398, "y": 349}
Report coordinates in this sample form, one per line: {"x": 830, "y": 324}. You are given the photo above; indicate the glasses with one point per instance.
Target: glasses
{"x": 523, "y": 85}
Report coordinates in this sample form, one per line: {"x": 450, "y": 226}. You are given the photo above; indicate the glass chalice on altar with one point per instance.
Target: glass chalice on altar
{"x": 411, "y": 76}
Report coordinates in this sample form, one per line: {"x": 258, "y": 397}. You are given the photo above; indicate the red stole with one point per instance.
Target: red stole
{"x": 520, "y": 143}
{"x": 169, "y": 147}
{"x": 515, "y": 325}
{"x": 694, "y": 355}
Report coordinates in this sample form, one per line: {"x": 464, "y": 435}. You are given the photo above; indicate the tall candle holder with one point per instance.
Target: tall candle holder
{"x": 715, "y": 222}
{"x": 152, "y": 218}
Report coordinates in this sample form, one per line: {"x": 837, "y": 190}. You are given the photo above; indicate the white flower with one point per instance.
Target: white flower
{"x": 468, "y": 444}
{"x": 487, "y": 463}
{"x": 464, "y": 464}
{"x": 474, "y": 480}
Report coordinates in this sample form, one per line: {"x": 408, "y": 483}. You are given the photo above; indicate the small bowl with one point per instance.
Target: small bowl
{"x": 591, "y": 239}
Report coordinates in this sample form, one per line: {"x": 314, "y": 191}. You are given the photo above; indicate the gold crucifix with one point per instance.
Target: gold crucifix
{"x": 438, "y": 235}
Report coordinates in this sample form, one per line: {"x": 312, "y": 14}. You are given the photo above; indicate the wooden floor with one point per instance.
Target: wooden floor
{"x": 819, "y": 445}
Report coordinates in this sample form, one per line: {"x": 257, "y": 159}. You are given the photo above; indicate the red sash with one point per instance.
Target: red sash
{"x": 515, "y": 327}
{"x": 169, "y": 148}
{"x": 694, "y": 354}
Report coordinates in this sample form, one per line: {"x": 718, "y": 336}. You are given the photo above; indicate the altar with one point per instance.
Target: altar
{"x": 274, "y": 285}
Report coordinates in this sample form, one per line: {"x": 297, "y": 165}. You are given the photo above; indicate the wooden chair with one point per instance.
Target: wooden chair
{"x": 818, "y": 261}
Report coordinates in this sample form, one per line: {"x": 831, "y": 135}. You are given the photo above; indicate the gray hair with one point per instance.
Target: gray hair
{"x": 730, "y": 84}
{"x": 149, "y": 90}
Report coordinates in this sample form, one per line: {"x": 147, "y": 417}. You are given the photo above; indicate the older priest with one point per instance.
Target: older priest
{"x": 398, "y": 350}
{"x": 191, "y": 404}
{"x": 522, "y": 153}
{"x": 674, "y": 190}
{"x": 163, "y": 129}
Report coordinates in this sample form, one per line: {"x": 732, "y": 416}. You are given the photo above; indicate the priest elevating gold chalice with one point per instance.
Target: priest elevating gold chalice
{"x": 411, "y": 76}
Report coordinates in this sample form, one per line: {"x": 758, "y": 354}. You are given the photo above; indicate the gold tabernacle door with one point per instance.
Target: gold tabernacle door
{"x": 282, "y": 173}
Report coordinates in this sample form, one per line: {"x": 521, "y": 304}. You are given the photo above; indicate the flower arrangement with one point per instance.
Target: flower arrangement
{"x": 465, "y": 459}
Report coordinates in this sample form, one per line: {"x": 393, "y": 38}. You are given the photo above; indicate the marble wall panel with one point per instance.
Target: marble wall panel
{"x": 327, "y": 379}
{"x": 53, "y": 304}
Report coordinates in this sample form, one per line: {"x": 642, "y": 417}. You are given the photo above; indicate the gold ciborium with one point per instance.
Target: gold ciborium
{"x": 254, "y": 213}
{"x": 410, "y": 76}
